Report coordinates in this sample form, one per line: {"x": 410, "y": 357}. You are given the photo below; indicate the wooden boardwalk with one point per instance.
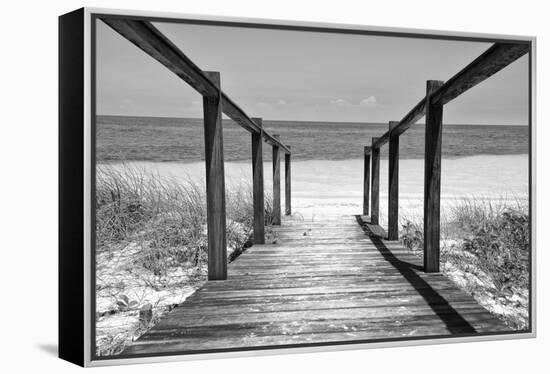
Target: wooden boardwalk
{"x": 322, "y": 282}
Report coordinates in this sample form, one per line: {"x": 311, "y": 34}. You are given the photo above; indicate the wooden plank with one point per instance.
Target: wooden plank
{"x": 375, "y": 183}
{"x": 300, "y": 332}
{"x": 314, "y": 325}
{"x": 432, "y": 178}
{"x": 451, "y": 295}
{"x": 319, "y": 332}
{"x": 288, "y": 186}
{"x": 276, "y": 183}
{"x": 494, "y": 59}
{"x": 393, "y": 181}
{"x": 258, "y": 185}
{"x": 150, "y": 40}
{"x": 215, "y": 183}
{"x": 366, "y": 180}
{"x": 364, "y": 313}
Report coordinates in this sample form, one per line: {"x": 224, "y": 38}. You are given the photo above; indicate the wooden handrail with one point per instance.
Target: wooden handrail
{"x": 150, "y": 40}
{"x": 494, "y": 59}
{"x": 215, "y": 102}
{"x": 438, "y": 93}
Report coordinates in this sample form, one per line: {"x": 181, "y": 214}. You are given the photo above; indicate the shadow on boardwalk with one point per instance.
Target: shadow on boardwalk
{"x": 448, "y": 315}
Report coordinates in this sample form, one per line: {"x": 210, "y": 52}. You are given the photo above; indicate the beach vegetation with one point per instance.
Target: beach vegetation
{"x": 485, "y": 250}
{"x": 151, "y": 245}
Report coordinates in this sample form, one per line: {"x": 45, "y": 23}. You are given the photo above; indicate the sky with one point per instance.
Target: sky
{"x": 305, "y": 76}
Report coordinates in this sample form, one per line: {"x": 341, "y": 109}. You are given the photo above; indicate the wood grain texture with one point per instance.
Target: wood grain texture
{"x": 393, "y": 183}
{"x": 375, "y": 183}
{"x": 150, "y": 40}
{"x": 432, "y": 178}
{"x": 276, "y": 183}
{"x": 354, "y": 288}
{"x": 366, "y": 180}
{"x": 258, "y": 185}
{"x": 288, "y": 184}
{"x": 215, "y": 183}
{"x": 494, "y": 59}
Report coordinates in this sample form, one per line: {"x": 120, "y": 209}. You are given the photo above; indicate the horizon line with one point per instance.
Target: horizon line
{"x": 309, "y": 121}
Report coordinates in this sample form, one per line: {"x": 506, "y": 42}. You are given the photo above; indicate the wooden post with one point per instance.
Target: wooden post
{"x": 366, "y": 181}
{"x": 432, "y": 179}
{"x": 393, "y": 187}
{"x": 258, "y": 184}
{"x": 215, "y": 182}
{"x": 276, "y": 183}
{"x": 375, "y": 184}
{"x": 288, "y": 210}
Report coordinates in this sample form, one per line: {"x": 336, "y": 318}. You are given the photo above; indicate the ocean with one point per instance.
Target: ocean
{"x": 181, "y": 139}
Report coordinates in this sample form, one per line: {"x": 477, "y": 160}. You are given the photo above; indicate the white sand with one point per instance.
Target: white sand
{"x": 322, "y": 187}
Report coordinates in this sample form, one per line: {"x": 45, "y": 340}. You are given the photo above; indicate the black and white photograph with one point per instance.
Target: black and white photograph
{"x": 275, "y": 187}
{"x": 266, "y": 186}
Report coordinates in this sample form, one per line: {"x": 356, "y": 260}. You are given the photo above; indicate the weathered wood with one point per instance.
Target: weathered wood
{"x": 393, "y": 180}
{"x": 375, "y": 183}
{"x": 276, "y": 183}
{"x": 366, "y": 180}
{"x": 258, "y": 185}
{"x": 432, "y": 178}
{"x": 494, "y": 59}
{"x": 288, "y": 181}
{"x": 285, "y": 294}
{"x": 150, "y": 40}
{"x": 215, "y": 183}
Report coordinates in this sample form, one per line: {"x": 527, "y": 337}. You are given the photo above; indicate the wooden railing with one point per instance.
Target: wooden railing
{"x": 438, "y": 94}
{"x": 215, "y": 102}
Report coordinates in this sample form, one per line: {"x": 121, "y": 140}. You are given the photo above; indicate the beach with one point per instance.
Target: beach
{"x": 326, "y": 187}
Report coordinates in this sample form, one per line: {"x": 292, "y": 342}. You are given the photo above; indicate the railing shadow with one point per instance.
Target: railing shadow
{"x": 455, "y": 323}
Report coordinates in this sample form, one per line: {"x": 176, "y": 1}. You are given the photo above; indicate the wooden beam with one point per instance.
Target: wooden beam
{"x": 276, "y": 184}
{"x": 393, "y": 187}
{"x": 494, "y": 59}
{"x": 150, "y": 40}
{"x": 270, "y": 139}
{"x": 258, "y": 185}
{"x": 432, "y": 178}
{"x": 215, "y": 183}
{"x": 375, "y": 184}
{"x": 288, "y": 189}
{"x": 366, "y": 180}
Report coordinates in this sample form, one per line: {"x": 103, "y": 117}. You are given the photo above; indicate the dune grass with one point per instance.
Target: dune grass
{"x": 485, "y": 250}
{"x": 151, "y": 246}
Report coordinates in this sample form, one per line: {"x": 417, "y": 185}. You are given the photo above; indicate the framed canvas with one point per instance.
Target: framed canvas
{"x": 243, "y": 186}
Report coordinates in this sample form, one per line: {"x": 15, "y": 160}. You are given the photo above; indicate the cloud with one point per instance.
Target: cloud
{"x": 369, "y": 101}
{"x": 281, "y": 102}
{"x": 126, "y": 103}
{"x": 340, "y": 102}
{"x": 261, "y": 104}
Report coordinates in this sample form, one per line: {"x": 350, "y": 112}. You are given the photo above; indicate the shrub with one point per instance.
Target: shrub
{"x": 501, "y": 243}
{"x": 495, "y": 232}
